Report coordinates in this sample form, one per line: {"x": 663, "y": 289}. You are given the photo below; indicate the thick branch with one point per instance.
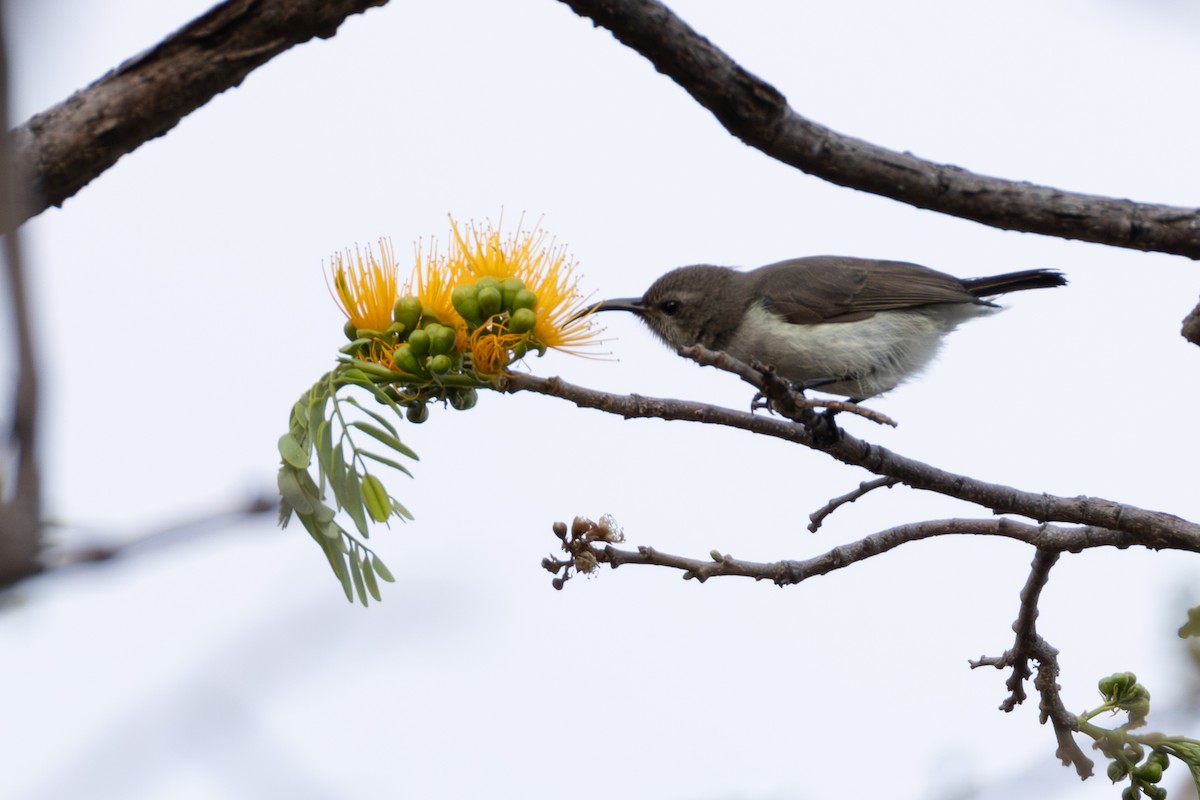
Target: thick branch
{"x": 759, "y": 115}
{"x": 1127, "y": 525}
{"x": 1191, "y": 326}
{"x": 62, "y": 149}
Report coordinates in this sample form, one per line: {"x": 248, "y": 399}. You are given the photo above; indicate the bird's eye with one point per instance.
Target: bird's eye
{"x": 670, "y": 307}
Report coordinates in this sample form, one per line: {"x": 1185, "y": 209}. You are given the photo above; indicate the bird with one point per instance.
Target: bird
{"x": 853, "y": 327}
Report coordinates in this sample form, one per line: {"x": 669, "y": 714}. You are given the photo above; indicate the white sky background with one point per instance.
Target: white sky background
{"x": 182, "y": 309}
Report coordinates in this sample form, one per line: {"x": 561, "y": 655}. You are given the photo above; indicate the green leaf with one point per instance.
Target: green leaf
{"x": 292, "y": 452}
{"x": 338, "y": 562}
{"x": 337, "y": 476}
{"x": 353, "y": 502}
{"x": 401, "y": 510}
{"x": 388, "y": 461}
{"x": 289, "y": 487}
{"x": 285, "y": 512}
{"x": 1192, "y": 626}
{"x": 385, "y": 437}
{"x": 356, "y": 573}
{"x": 318, "y": 399}
{"x": 382, "y": 420}
{"x": 324, "y": 515}
{"x": 372, "y": 584}
{"x": 382, "y": 397}
{"x": 324, "y": 442}
{"x": 352, "y": 376}
{"x": 379, "y": 505}
{"x": 381, "y": 569}
{"x": 369, "y": 369}
{"x": 299, "y": 422}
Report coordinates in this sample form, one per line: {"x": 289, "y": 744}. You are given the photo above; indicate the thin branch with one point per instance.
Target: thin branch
{"x": 1064, "y": 723}
{"x": 1049, "y": 538}
{"x": 819, "y": 516}
{"x": 1029, "y": 645}
{"x": 780, "y": 394}
{"x": 1126, "y": 525}
{"x": 60, "y": 150}
{"x": 1025, "y": 625}
{"x": 759, "y": 115}
{"x": 1026, "y": 632}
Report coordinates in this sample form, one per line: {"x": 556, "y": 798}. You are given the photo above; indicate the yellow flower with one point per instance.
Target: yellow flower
{"x": 431, "y": 282}
{"x": 366, "y": 288}
{"x": 542, "y": 266}
{"x": 491, "y": 349}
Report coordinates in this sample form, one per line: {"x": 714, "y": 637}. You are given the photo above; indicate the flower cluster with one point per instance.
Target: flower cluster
{"x": 463, "y": 318}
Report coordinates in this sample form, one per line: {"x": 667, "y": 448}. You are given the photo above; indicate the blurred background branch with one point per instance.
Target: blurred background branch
{"x": 20, "y": 494}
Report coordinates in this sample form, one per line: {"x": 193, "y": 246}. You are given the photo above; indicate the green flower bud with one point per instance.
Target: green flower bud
{"x": 1124, "y": 681}
{"x": 524, "y": 299}
{"x": 1129, "y": 793}
{"x": 465, "y": 300}
{"x": 1159, "y": 757}
{"x": 1116, "y": 771}
{"x": 406, "y": 360}
{"x": 508, "y": 291}
{"x": 441, "y": 339}
{"x": 350, "y": 331}
{"x": 462, "y": 399}
{"x": 417, "y": 413}
{"x": 487, "y": 280}
{"x": 439, "y": 364}
{"x": 522, "y": 320}
{"x": 1137, "y": 708}
{"x": 489, "y": 300}
{"x": 1149, "y": 772}
{"x": 371, "y": 333}
{"x": 418, "y": 340}
{"x": 429, "y": 317}
{"x": 407, "y": 312}
{"x": 1107, "y": 685}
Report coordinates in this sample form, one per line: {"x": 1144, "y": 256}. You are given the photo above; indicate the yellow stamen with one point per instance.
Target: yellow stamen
{"x": 365, "y": 288}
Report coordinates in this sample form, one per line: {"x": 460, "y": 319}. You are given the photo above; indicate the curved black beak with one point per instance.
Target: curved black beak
{"x": 633, "y": 304}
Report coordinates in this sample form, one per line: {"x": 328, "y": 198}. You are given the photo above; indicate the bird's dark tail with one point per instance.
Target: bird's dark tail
{"x": 1015, "y": 282}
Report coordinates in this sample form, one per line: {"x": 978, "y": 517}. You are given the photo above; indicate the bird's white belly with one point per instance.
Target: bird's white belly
{"x": 859, "y": 359}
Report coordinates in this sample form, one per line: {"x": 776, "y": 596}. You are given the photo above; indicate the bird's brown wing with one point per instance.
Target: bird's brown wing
{"x": 806, "y": 291}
